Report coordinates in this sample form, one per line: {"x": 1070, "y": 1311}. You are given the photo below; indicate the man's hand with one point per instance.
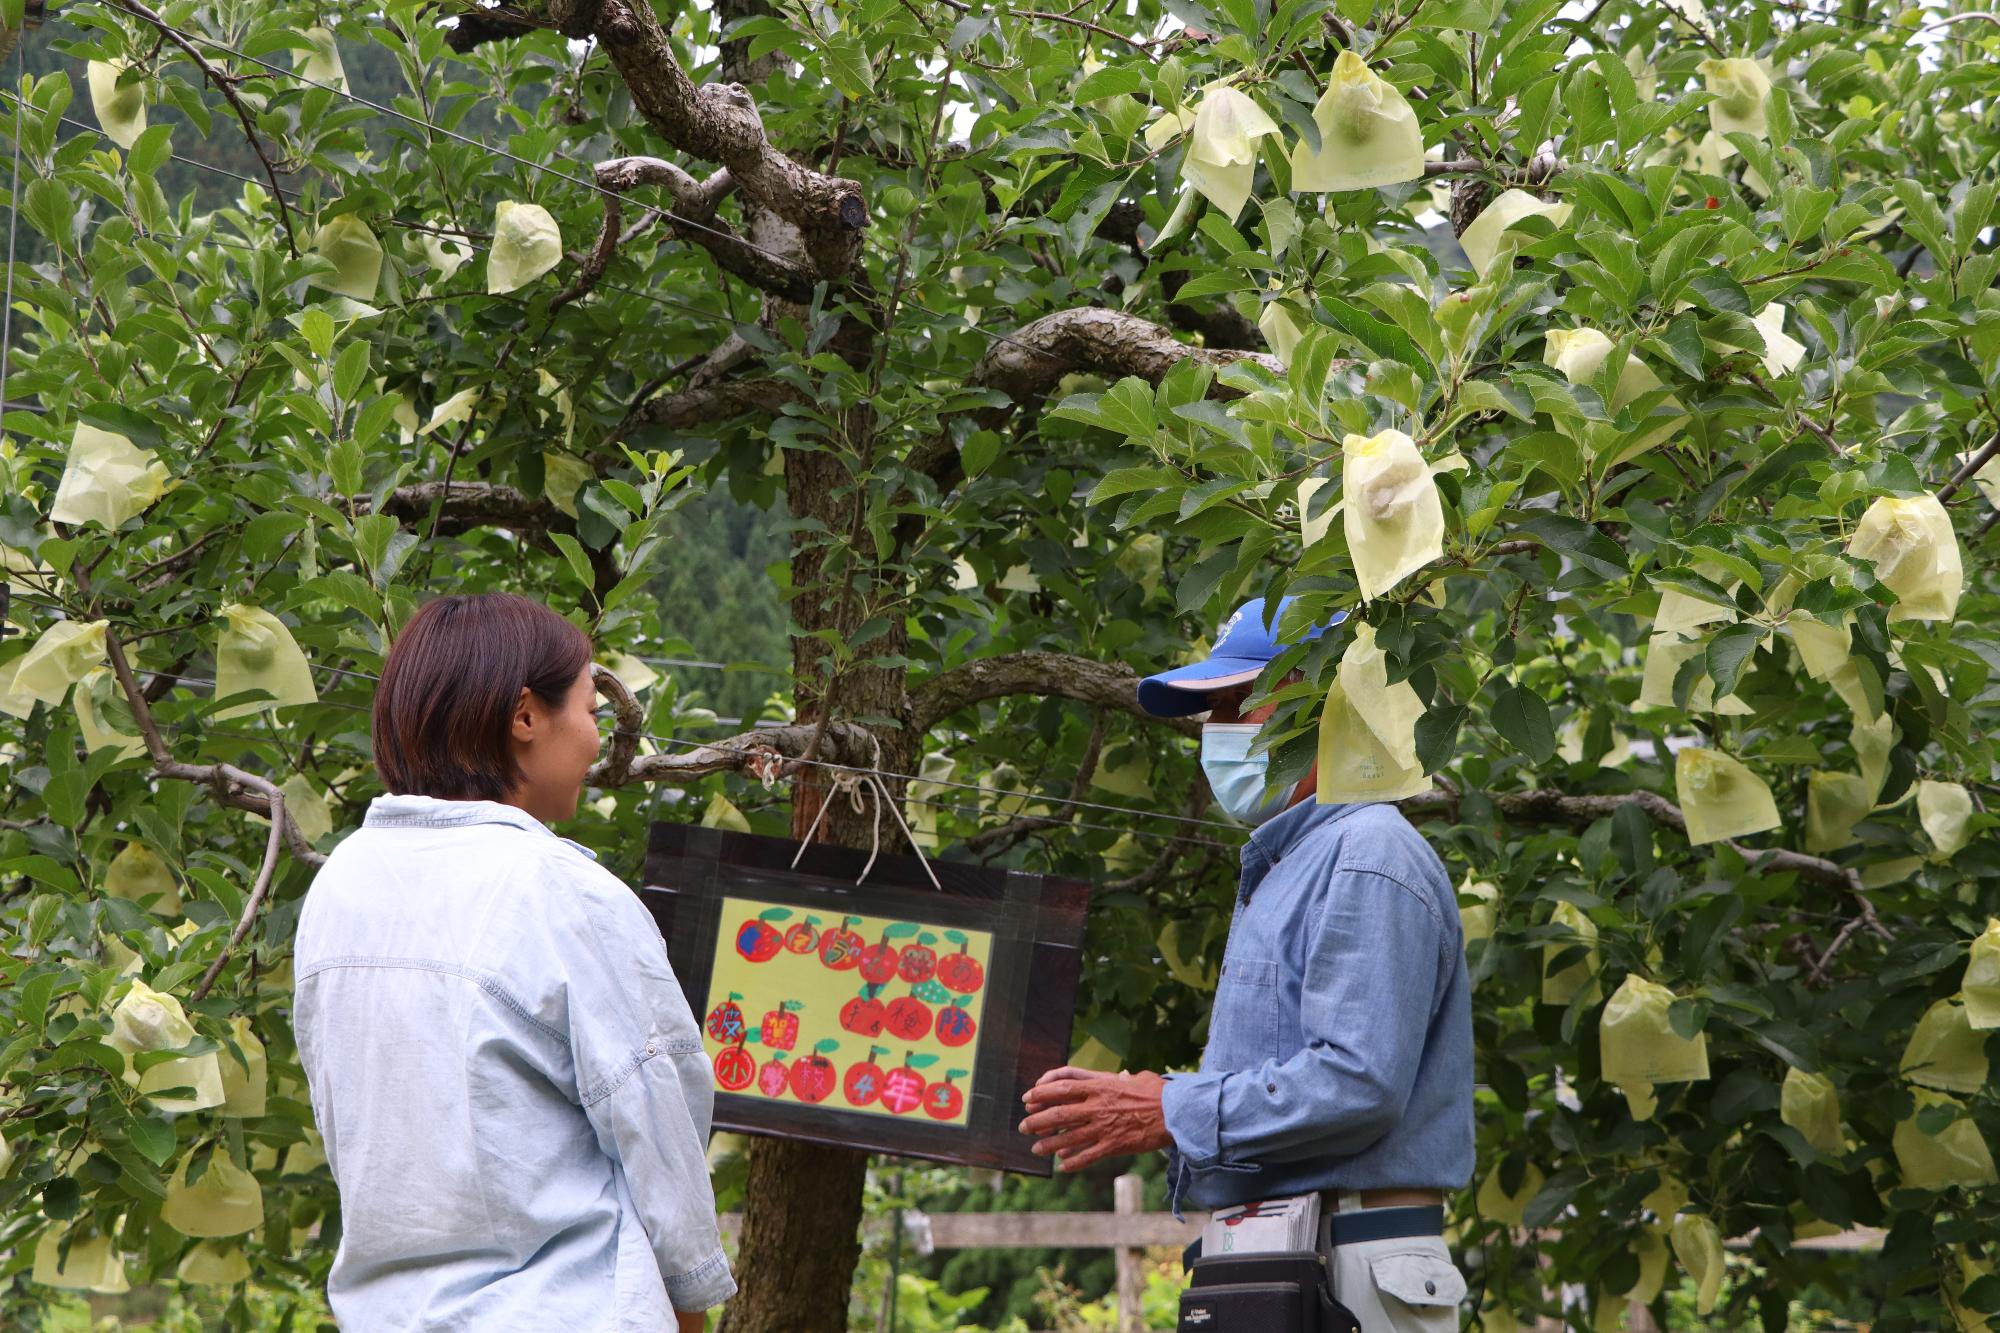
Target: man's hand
{"x": 691, "y": 1321}
{"x": 1084, "y": 1116}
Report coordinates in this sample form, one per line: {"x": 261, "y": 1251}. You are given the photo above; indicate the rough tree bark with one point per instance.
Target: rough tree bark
{"x": 802, "y": 1202}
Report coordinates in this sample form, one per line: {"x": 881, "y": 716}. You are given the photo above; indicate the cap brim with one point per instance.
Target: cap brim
{"x": 1184, "y": 690}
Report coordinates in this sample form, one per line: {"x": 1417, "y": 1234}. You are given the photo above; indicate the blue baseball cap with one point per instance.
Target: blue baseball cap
{"x": 1244, "y": 646}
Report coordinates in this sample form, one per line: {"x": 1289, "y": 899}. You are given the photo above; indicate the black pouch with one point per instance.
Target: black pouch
{"x": 1275, "y": 1292}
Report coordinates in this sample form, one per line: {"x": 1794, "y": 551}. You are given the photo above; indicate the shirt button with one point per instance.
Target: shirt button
{"x": 1430, "y": 1288}
{"x": 1270, "y": 1087}
{"x": 652, "y": 1049}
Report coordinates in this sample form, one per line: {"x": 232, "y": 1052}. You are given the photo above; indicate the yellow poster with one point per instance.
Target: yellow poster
{"x": 868, "y": 1014}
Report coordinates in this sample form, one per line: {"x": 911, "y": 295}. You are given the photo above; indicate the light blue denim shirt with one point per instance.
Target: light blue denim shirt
{"x": 1340, "y": 1045}
{"x": 508, "y": 1079}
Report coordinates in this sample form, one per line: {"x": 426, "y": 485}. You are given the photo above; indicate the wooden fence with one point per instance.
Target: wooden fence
{"x": 1131, "y": 1231}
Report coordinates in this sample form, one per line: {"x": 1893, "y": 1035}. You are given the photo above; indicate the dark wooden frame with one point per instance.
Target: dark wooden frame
{"x": 1037, "y": 926}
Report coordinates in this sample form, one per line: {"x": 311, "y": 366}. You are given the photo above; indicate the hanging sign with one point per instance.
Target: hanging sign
{"x": 891, "y": 1015}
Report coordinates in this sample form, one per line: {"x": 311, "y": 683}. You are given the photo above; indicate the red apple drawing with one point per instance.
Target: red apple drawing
{"x": 954, "y": 1024}
{"x": 774, "y": 1077}
{"x": 943, "y": 1101}
{"x": 878, "y": 963}
{"x": 780, "y": 1029}
{"x": 919, "y": 960}
{"x": 813, "y": 1077}
{"x": 863, "y": 1083}
{"x": 908, "y": 1019}
{"x": 725, "y": 1021}
{"x": 960, "y": 970}
{"x": 903, "y": 1087}
{"x": 840, "y": 948}
{"x": 804, "y": 937}
{"x": 735, "y": 1069}
{"x": 863, "y": 1015}
{"x": 757, "y": 939}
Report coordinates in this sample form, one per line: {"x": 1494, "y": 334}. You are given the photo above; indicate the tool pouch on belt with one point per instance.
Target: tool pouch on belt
{"x": 1277, "y": 1292}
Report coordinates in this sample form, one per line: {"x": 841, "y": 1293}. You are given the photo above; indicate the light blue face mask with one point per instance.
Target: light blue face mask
{"x": 1238, "y": 777}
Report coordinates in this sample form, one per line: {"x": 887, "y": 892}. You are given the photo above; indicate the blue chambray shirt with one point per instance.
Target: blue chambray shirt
{"x": 509, "y": 1083}
{"x": 1339, "y": 1049}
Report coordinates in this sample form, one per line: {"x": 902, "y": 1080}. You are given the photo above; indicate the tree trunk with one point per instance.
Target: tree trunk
{"x": 801, "y": 1238}
{"x": 802, "y": 1203}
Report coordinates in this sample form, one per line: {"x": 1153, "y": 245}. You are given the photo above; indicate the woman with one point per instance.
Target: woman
{"x": 506, "y": 1074}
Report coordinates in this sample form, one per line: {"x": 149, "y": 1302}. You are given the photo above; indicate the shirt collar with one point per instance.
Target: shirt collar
{"x": 434, "y": 812}
{"x": 1271, "y": 840}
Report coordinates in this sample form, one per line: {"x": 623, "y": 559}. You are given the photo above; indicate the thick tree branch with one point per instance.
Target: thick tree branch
{"x": 696, "y": 224}
{"x": 1460, "y": 166}
{"x": 1546, "y": 806}
{"x": 1219, "y": 326}
{"x": 613, "y": 770}
{"x": 479, "y": 27}
{"x": 468, "y": 505}
{"x": 705, "y": 404}
{"x": 1029, "y": 362}
{"x": 1110, "y": 685}
{"x": 1032, "y": 360}
{"x": 232, "y": 786}
{"x": 719, "y": 123}
{"x": 763, "y": 754}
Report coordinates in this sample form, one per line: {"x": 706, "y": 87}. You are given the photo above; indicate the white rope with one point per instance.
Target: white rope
{"x": 852, "y": 784}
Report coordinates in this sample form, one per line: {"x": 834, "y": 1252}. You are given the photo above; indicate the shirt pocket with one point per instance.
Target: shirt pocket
{"x": 1243, "y": 1026}
{"x": 1419, "y": 1289}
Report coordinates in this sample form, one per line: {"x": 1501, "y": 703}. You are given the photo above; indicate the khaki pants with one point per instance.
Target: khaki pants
{"x": 1405, "y": 1285}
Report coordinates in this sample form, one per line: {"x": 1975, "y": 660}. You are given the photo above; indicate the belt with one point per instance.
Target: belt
{"x": 1329, "y": 1200}
{"x": 1381, "y": 1224}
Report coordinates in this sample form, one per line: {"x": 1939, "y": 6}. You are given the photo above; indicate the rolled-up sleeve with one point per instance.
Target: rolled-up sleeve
{"x": 647, "y": 1090}
{"x": 1365, "y": 1005}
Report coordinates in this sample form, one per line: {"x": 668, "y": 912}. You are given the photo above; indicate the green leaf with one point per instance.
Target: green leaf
{"x": 1718, "y": 291}
{"x": 1727, "y": 653}
{"x": 573, "y": 552}
{"x": 847, "y": 65}
{"x": 1580, "y": 542}
{"x": 1129, "y": 481}
{"x": 1375, "y": 335}
{"x": 1522, "y": 718}
{"x": 1110, "y": 82}
{"x": 350, "y": 372}
{"x": 316, "y": 327}
{"x": 153, "y": 1136}
{"x": 1680, "y": 343}
{"x": 1632, "y": 841}
{"x": 151, "y": 150}
{"x": 1437, "y": 735}
{"x": 50, "y": 210}
{"x": 978, "y": 452}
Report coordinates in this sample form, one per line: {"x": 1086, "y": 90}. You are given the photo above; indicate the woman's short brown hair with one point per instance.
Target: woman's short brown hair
{"x": 444, "y": 708}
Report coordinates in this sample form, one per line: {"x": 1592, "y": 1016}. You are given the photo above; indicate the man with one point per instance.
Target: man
{"x": 1339, "y": 1057}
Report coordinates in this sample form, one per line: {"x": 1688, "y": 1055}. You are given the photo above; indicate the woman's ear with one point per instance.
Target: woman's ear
{"x": 525, "y": 723}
